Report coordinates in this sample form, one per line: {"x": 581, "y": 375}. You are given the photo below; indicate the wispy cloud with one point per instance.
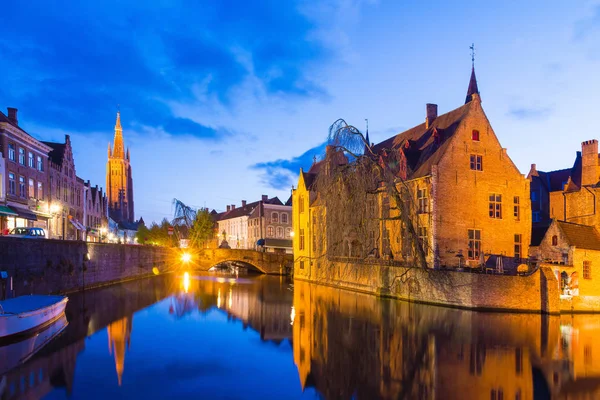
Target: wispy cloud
{"x": 281, "y": 174}
{"x": 534, "y": 113}
{"x": 71, "y": 71}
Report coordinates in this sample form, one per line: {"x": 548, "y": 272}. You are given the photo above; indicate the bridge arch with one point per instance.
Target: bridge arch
{"x": 249, "y": 265}
{"x": 266, "y": 263}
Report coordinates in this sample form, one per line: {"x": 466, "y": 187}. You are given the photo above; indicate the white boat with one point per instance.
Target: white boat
{"x": 26, "y": 314}
{"x": 18, "y": 352}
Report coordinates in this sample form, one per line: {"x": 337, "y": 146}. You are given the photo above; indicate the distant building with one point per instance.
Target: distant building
{"x": 65, "y": 192}
{"x": 25, "y": 177}
{"x": 96, "y": 212}
{"x": 119, "y": 181}
{"x": 267, "y": 220}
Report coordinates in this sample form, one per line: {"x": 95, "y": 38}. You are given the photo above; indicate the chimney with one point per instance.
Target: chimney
{"x": 265, "y": 197}
{"x": 431, "y": 114}
{"x": 12, "y": 115}
{"x": 228, "y": 208}
{"x": 243, "y": 203}
{"x": 233, "y": 207}
{"x": 589, "y": 162}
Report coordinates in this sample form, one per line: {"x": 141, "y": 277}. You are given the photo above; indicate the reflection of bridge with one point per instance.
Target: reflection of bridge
{"x": 267, "y": 263}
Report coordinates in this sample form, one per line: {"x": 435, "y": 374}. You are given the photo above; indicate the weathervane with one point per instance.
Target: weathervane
{"x": 472, "y": 47}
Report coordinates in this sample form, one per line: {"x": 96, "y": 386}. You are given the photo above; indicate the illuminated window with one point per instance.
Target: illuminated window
{"x": 11, "y": 152}
{"x": 554, "y": 240}
{"x": 518, "y": 246}
{"x": 385, "y": 207}
{"x": 475, "y": 135}
{"x": 21, "y": 156}
{"x": 422, "y": 201}
{"x": 275, "y": 217}
{"x": 587, "y": 270}
{"x": 31, "y": 160}
{"x": 279, "y": 232}
{"x": 288, "y": 232}
{"x": 474, "y": 244}
{"x": 31, "y": 189}
{"x": 12, "y": 185}
{"x": 495, "y": 205}
{"x": 301, "y": 264}
{"x": 40, "y": 164}
{"x": 22, "y": 186}
{"x": 270, "y": 231}
{"x": 517, "y": 208}
{"x": 476, "y": 162}
{"x": 301, "y": 239}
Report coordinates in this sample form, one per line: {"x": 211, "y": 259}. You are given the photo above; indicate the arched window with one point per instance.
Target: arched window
{"x": 279, "y": 232}
{"x": 288, "y": 232}
{"x": 274, "y": 217}
{"x": 554, "y": 240}
{"x": 270, "y": 231}
{"x": 284, "y": 218}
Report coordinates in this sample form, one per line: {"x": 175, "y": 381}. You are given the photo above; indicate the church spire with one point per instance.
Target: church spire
{"x": 473, "y": 89}
{"x": 118, "y": 144}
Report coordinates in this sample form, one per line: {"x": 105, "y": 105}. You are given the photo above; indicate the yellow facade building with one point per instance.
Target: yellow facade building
{"x": 470, "y": 198}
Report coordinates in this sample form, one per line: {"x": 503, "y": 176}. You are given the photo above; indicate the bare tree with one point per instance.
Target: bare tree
{"x": 197, "y": 225}
{"x": 367, "y": 202}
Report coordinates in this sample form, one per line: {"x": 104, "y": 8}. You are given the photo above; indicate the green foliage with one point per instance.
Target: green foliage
{"x": 202, "y": 229}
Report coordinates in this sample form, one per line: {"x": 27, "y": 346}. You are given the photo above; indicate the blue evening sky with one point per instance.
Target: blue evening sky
{"x": 226, "y": 100}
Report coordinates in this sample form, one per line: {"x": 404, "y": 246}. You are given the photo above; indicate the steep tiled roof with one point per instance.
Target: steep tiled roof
{"x": 555, "y": 180}
{"x": 425, "y": 146}
{"x": 58, "y": 152}
{"x": 247, "y": 209}
{"x": 309, "y": 179}
{"x": 580, "y": 236}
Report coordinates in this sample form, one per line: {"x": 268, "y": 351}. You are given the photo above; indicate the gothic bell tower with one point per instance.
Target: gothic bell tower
{"x": 119, "y": 182}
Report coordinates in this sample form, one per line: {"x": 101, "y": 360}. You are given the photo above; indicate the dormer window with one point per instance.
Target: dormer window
{"x": 475, "y": 135}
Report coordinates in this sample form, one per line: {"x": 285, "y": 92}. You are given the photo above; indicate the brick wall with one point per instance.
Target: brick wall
{"x": 51, "y": 266}
{"x": 534, "y": 293}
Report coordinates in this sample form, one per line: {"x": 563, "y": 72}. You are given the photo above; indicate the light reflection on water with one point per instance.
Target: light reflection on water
{"x": 215, "y": 337}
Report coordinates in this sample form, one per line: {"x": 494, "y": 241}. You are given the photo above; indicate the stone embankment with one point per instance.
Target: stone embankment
{"x": 537, "y": 292}
{"x": 53, "y": 266}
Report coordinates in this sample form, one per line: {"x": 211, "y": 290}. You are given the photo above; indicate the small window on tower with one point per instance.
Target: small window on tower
{"x": 475, "y": 135}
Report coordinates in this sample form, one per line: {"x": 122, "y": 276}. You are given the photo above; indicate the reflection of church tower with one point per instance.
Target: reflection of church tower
{"x": 119, "y": 336}
{"x": 119, "y": 182}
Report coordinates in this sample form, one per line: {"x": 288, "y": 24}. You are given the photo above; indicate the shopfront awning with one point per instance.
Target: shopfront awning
{"x": 78, "y": 225}
{"x": 7, "y": 211}
{"x": 23, "y": 213}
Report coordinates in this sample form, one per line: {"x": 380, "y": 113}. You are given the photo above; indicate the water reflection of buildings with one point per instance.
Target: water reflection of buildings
{"x": 119, "y": 340}
{"x": 262, "y": 305}
{"x": 347, "y": 345}
{"x": 54, "y": 365}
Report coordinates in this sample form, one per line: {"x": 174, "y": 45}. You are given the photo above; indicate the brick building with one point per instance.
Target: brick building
{"x": 119, "y": 181}
{"x": 95, "y": 213}
{"x": 471, "y": 199}
{"x": 268, "y": 219}
{"x": 25, "y": 176}
{"x": 65, "y": 192}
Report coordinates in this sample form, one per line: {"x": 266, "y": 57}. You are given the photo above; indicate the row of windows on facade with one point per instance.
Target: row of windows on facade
{"x": 276, "y": 218}
{"x": 69, "y": 192}
{"x": 32, "y": 157}
{"x": 26, "y": 187}
{"x": 274, "y": 232}
{"x": 474, "y": 251}
{"x": 93, "y": 221}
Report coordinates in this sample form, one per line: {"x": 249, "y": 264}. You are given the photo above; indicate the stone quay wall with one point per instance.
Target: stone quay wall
{"x": 55, "y": 266}
{"x": 537, "y": 292}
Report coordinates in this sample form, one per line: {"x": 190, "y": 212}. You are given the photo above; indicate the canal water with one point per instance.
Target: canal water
{"x": 262, "y": 337}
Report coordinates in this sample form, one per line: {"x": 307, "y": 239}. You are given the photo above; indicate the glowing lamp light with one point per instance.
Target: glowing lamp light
{"x": 186, "y": 257}
{"x": 292, "y": 315}
{"x": 292, "y": 233}
{"x": 155, "y": 271}
{"x": 55, "y": 208}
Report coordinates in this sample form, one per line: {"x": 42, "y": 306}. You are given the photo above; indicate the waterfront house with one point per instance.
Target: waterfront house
{"x": 470, "y": 198}
{"x": 25, "y": 178}
{"x": 573, "y": 252}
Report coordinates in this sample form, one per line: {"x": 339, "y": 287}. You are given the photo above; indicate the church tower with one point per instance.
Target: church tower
{"x": 119, "y": 183}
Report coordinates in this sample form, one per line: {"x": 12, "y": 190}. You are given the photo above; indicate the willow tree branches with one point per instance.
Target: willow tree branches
{"x": 370, "y": 207}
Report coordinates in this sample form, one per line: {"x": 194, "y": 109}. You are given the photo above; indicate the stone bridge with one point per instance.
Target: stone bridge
{"x": 267, "y": 263}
